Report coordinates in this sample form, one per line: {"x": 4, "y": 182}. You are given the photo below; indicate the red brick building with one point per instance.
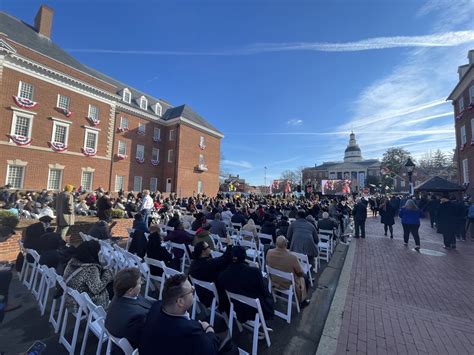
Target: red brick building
{"x": 463, "y": 102}
{"x": 63, "y": 122}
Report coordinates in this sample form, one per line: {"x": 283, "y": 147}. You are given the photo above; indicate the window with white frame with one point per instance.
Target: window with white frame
{"x": 170, "y": 156}
{"x": 155, "y": 154}
{"x": 122, "y": 148}
{"x": 127, "y": 96}
{"x": 463, "y": 135}
{"x": 143, "y": 103}
{"x": 140, "y": 154}
{"x": 201, "y": 160}
{"x": 119, "y": 182}
{"x": 471, "y": 95}
{"x": 402, "y": 183}
{"x": 63, "y": 102}
{"x": 93, "y": 112}
{"x": 172, "y": 135}
{"x": 156, "y": 134}
{"x": 124, "y": 122}
{"x": 60, "y": 132}
{"x": 54, "y": 179}
{"x": 26, "y": 91}
{"x": 158, "y": 109}
{"x": 86, "y": 180}
{"x": 153, "y": 184}
{"x": 472, "y": 130}
{"x": 90, "y": 139}
{"x": 15, "y": 176}
{"x": 137, "y": 183}
{"x": 21, "y": 124}
{"x": 199, "y": 187}
{"x": 202, "y": 142}
{"x": 141, "y": 128}
{"x": 461, "y": 104}
{"x": 465, "y": 171}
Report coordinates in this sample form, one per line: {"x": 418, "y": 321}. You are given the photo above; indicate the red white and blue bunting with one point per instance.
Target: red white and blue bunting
{"x": 156, "y": 139}
{"x": 469, "y": 108}
{"x": 94, "y": 121}
{"x": 24, "y": 103}
{"x": 122, "y": 129}
{"x": 65, "y": 112}
{"x": 58, "y": 147}
{"x": 121, "y": 156}
{"x": 89, "y": 152}
{"x": 140, "y": 160}
{"x": 155, "y": 162}
{"x": 140, "y": 132}
{"x": 202, "y": 146}
{"x": 20, "y": 140}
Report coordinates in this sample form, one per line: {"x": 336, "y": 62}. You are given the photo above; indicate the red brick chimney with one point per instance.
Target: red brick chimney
{"x": 44, "y": 21}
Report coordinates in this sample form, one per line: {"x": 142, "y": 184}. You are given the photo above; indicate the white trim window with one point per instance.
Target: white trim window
{"x": 143, "y": 103}
{"x": 63, "y": 102}
{"x": 127, "y": 96}
{"x": 60, "y": 133}
{"x": 153, "y": 184}
{"x": 155, "y": 154}
{"x": 21, "y": 124}
{"x": 90, "y": 139}
{"x": 122, "y": 148}
{"x": 202, "y": 162}
{"x": 26, "y": 91}
{"x": 465, "y": 171}
{"x": 461, "y": 104}
{"x": 93, "y": 112}
{"x": 199, "y": 187}
{"x": 158, "y": 109}
{"x": 172, "y": 135}
{"x": 140, "y": 153}
{"x": 119, "y": 182}
{"x": 170, "y": 155}
{"x": 202, "y": 142}
{"x": 471, "y": 95}
{"x": 156, "y": 134}
{"x": 15, "y": 176}
{"x": 86, "y": 180}
{"x": 123, "y": 123}
{"x": 463, "y": 135}
{"x": 141, "y": 128}
{"x": 137, "y": 183}
{"x": 55, "y": 177}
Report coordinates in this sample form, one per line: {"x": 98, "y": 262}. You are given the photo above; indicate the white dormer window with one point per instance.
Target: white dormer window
{"x": 127, "y": 96}
{"x": 157, "y": 109}
{"x": 143, "y": 103}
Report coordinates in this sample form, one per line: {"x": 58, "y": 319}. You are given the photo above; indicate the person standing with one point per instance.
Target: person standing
{"x": 303, "y": 237}
{"x": 360, "y": 215}
{"x": 387, "y": 216}
{"x": 147, "y": 205}
{"x": 446, "y": 223}
{"x": 431, "y": 207}
{"x": 65, "y": 216}
{"x": 410, "y": 215}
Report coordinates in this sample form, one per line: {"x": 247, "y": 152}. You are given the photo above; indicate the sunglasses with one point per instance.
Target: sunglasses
{"x": 187, "y": 293}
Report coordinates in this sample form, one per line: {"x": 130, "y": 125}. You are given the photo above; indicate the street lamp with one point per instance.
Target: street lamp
{"x": 410, "y": 166}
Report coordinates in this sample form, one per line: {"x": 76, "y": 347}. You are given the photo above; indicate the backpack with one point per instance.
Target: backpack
{"x": 470, "y": 214}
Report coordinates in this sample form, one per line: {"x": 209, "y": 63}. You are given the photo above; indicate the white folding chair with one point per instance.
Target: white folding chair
{"x": 149, "y": 277}
{"x": 255, "y": 324}
{"x": 210, "y": 286}
{"x": 60, "y": 303}
{"x": 237, "y": 226}
{"x": 29, "y": 276}
{"x": 290, "y": 292}
{"x": 48, "y": 282}
{"x": 267, "y": 237}
{"x": 252, "y": 251}
{"x": 305, "y": 264}
{"x": 122, "y": 343}
{"x": 84, "y": 236}
{"x": 168, "y": 271}
{"x": 325, "y": 244}
{"x": 38, "y": 281}
{"x": 95, "y": 324}
{"x": 79, "y": 315}
{"x": 185, "y": 256}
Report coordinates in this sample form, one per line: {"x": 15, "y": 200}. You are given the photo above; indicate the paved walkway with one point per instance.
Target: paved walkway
{"x": 402, "y": 302}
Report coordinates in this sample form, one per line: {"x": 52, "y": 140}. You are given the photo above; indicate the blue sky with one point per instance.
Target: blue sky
{"x": 285, "y": 81}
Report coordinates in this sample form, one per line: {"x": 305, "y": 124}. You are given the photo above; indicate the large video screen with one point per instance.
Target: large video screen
{"x": 335, "y": 187}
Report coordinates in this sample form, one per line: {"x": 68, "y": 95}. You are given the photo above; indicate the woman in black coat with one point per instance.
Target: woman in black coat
{"x": 387, "y": 216}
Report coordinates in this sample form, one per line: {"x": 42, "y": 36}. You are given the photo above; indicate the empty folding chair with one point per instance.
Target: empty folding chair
{"x": 255, "y": 324}
{"x": 211, "y": 287}
{"x": 38, "y": 280}
{"x": 31, "y": 268}
{"x": 80, "y": 313}
{"x": 48, "y": 282}
{"x": 149, "y": 277}
{"x": 95, "y": 324}
{"x": 186, "y": 258}
{"x": 289, "y": 292}
{"x": 325, "y": 244}
{"x": 122, "y": 343}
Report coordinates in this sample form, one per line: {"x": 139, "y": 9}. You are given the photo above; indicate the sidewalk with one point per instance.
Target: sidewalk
{"x": 402, "y": 302}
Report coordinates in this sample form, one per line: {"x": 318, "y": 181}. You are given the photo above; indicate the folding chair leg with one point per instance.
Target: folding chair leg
{"x": 256, "y": 326}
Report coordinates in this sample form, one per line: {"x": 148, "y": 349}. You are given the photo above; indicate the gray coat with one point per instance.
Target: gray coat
{"x": 219, "y": 228}
{"x": 303, "y": 237}
{"x": 65, "y": 209}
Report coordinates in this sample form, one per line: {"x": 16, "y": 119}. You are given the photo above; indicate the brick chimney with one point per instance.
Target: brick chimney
{"x": 44, "y": 21}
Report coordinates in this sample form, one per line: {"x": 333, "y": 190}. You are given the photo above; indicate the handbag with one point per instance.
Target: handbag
{"x": 59, "y": 290}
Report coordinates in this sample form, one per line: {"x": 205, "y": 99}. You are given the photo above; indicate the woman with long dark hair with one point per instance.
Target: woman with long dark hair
{"x": 387, "y": 216}
{"x": 410, "y": 215}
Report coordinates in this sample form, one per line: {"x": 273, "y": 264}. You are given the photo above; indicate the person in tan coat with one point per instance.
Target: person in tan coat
{"x": 65, "y": 216}
{"x": 282, "y": 259}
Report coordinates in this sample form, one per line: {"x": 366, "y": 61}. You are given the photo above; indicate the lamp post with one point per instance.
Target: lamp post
{"x": 410, "y": 166}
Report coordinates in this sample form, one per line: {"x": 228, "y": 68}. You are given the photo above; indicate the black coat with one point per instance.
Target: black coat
{"x": 387, "y": 215}
{"x": 32, "y": 236}
{"x": 158, "y": 252}
{"x": 126, "y": 318}
{"x": 446, "y": 217}
{"x": 139, "y": 243}
{"x": 164, "y": 334}
{"x": 360, "y": 212}
{"x": 247, "y": 281}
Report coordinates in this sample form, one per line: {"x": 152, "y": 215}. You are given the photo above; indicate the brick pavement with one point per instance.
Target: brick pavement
{"x": 402, "y": 302}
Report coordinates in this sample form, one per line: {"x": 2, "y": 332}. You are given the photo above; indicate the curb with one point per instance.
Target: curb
{"x": 328, "y": 342}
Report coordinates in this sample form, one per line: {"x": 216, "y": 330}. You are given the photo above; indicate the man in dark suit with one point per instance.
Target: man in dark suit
{"x": 241, "y": 278}
{"x": 170, "y": 331}
{"x": 360, "y": 215}
{"x": 127, "y": 312}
